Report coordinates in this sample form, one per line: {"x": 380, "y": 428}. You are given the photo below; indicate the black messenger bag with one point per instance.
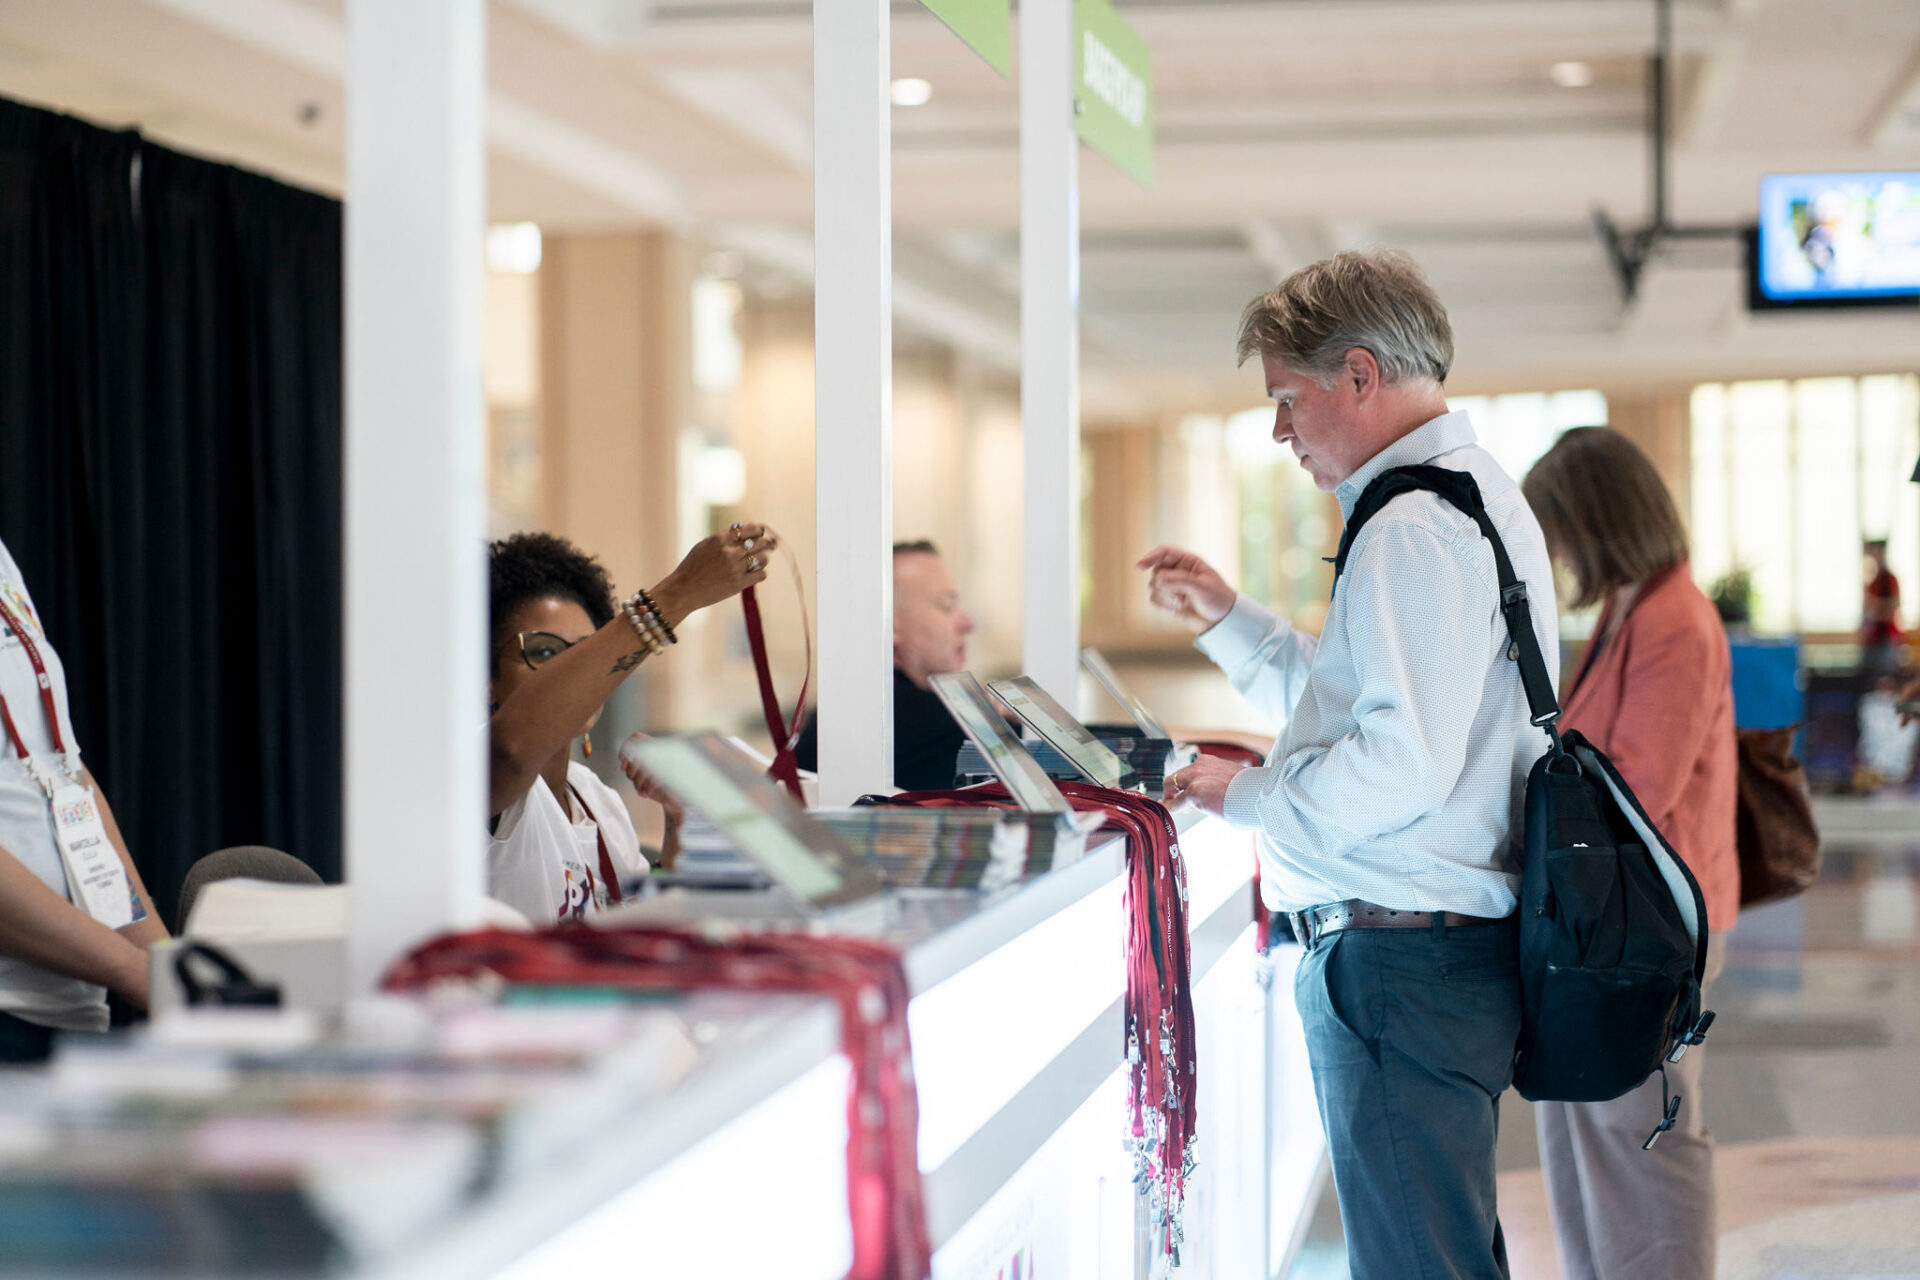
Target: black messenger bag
{"x": 1613, "y": 930}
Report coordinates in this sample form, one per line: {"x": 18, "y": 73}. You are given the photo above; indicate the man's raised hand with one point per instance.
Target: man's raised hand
{"x": 1187, "y": 587}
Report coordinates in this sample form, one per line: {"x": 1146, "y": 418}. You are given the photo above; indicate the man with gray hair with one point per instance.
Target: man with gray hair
{"x": 1388, "y": 812}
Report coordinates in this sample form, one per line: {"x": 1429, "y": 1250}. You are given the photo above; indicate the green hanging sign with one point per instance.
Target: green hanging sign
{"x": 985, "y": 25}
{"x": 1113, "y": 88}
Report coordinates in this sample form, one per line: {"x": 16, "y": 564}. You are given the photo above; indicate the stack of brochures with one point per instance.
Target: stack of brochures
{"x": 1148, "y": 757}
{"x": 957, "y": 848}
{"x": 708, "y": 857}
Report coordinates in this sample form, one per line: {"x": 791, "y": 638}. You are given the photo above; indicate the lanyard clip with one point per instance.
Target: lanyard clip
{"x": 1666, "y": 1123}
{"x": 39, "y": 776}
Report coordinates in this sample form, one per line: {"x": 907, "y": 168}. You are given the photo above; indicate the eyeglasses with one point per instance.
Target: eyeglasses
{"x": 537, "y": 648}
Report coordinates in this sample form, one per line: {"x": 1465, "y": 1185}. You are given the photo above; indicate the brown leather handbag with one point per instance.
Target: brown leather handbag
{"x": 1779, "y": 845}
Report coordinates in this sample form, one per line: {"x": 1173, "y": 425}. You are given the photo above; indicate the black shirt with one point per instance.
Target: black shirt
{"x": 925, "y": 739}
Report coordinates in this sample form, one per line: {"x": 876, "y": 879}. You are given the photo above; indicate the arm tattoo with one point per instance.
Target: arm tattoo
{"x": 629, "y": 662}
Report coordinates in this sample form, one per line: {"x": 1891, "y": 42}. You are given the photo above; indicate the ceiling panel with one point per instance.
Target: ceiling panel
{"x": 1288, "y": 129}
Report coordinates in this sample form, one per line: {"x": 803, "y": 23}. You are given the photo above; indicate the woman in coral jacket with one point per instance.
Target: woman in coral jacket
{"x": 1654, "y": 693}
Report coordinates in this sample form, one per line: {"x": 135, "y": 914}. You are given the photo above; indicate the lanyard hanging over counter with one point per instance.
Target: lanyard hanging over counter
{"x": 96, "y": 879}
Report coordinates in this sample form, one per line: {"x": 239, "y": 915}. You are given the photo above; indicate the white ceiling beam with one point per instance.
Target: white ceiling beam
{"x": 317, "y": 41}
{"x": 741, "y": 102}
{"x": 1702, "y": 114}
{"x": 920, "y": 307}
{"x": 1275, "y": 252}
{"x": 1233, "y": 32}
{"x": 1898, "y": 123}
{"x": 1546, "y": 32}
{"x": 1342, "y": 234}
{"x": 592, "y": 22}
{"x": 1301, "y": 111}
{"x": 290, "y": 32}
{"x": 586, "y": 160}
{"x": 986, "y": 254}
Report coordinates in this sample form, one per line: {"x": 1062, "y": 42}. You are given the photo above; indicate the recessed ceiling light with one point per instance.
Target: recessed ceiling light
{"x": 911, "y": 92}
{"x": 1572, "y": 75}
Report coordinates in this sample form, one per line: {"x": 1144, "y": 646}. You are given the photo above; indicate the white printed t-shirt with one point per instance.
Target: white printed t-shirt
{"x": 26, "y": 820}
{"x": 545, "y": 865}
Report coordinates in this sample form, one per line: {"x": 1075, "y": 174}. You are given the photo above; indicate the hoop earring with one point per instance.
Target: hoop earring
{"x": 586, "y": 745}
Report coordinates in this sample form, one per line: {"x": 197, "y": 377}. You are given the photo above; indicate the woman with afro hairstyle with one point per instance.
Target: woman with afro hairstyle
{"x": 560, "y": 840}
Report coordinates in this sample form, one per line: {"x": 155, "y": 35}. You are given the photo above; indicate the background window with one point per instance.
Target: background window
{"x": 1790, "y": 477}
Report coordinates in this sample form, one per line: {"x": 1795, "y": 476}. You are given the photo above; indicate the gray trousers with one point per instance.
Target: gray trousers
{"x": 1411, "y": 1035}
{"x": 1620, "y": 1213}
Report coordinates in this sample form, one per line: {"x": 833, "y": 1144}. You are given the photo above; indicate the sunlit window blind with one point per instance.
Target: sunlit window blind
{"x": 1789, "y": 478}
{"x": 1517, "y": 429}
{"x": 1286, "y": 526}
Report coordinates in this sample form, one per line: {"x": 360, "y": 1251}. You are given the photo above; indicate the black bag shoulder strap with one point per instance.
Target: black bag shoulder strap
{"x": 1459, "y": 489}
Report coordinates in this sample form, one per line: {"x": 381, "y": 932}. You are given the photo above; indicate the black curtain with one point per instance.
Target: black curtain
{"x": 170, "y": 471}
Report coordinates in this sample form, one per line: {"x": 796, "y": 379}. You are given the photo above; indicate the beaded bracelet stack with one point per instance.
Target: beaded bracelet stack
{"x": 644, "y": 615}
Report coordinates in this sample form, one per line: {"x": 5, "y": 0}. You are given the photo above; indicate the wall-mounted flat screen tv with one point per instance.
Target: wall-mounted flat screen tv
{"x": 1837, "y": 239}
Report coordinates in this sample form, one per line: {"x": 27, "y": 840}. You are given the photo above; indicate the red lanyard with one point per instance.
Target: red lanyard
{"x": 885, "y": 1199}
{"x": 46, "y": 693}
{"x": 608, "y": 872}
{"x": 785, "y": 732}
{"x": 1160, "y": 1048}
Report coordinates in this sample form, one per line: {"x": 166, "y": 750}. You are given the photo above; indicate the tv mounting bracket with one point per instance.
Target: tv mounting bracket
{"x": 1629, "y": 251}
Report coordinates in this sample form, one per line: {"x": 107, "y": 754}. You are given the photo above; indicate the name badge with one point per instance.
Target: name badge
{"x": 95, "y": 875}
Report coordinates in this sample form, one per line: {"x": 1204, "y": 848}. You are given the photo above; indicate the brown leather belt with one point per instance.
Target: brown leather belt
{"x": 1315, "y": 923}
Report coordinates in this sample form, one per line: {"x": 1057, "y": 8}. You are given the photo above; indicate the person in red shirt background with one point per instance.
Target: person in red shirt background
{"x": 1880, "y": 613}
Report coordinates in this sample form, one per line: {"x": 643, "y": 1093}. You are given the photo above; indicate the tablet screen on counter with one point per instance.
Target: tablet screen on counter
{"x": 1024, "y": 779}
{"x": 1056, "y": 724}
{"x": 799, "y": 854}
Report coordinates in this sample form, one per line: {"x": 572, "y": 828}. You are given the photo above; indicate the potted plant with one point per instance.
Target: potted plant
{"x": 1732, "y": 596}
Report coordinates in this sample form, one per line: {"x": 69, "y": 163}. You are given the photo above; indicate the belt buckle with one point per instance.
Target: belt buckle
{"x": 1303, "y": 923}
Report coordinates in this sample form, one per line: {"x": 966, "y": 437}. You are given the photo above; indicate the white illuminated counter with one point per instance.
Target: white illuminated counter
{"x": 691, "y": 1135}
{"x": 1017, "y": 1043}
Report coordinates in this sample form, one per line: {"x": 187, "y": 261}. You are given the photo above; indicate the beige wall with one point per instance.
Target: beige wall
{"x": 614, "y": 388}
{"x": 1656, "y": 420}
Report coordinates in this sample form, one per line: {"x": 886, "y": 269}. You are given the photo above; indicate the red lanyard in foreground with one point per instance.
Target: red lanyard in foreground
{"x": 885, "y": 1200}
{"x": 46, "y": 699}
{"x": 1161, "y": 1073}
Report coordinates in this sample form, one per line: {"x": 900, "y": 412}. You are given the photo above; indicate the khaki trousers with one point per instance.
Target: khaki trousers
{"x": 1620, "y": 1213}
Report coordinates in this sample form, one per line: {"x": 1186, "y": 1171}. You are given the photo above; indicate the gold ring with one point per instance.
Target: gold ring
{"x": 753, "y": 564}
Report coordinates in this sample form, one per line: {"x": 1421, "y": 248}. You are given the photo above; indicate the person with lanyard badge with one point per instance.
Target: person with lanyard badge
{"x": 75, "y": 919}
{"x": 560, "y": 840}
{"x": 1387, "y": 813}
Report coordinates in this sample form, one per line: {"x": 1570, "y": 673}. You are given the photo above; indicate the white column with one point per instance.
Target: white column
{"x": 415, "y": 501}
{"x": 1050, "y": 349}
{"x": 853, "y": 394}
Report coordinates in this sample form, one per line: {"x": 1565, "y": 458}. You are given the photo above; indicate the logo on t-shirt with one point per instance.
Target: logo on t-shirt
{"x": 577, "y": 895}
{"x": 581, "y": 891}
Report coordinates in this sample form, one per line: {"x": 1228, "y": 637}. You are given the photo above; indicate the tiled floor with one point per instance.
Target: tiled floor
{"x": 1812, "y": 1083}
{"x": 1812, "y": 1090}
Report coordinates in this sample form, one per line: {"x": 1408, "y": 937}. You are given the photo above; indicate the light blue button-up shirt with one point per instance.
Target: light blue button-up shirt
{"x": 1400, "y": 774}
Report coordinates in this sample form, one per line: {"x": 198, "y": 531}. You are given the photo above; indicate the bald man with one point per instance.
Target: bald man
{"x": 930, "y": 630}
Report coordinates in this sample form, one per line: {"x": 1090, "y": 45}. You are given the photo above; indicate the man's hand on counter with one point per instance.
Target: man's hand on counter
{"x": 1202, "y": 785}
{"x": 1187, "y": 587}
